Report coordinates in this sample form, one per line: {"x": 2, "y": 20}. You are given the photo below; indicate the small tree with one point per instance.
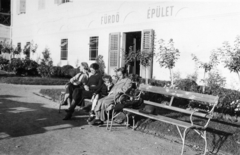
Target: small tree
{"x": 231, "y": 56}
{"x": 167, "y": 56}
{"x": 46, "y": 66}
{"x": 207, "y": 66}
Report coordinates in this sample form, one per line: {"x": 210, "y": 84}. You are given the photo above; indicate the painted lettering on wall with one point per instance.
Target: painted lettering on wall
{"x": 110, "y": 19}
{"x": 160, "y": 12}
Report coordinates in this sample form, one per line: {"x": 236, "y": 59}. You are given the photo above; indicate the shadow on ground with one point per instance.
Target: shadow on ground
{"x": 22, "y": 119}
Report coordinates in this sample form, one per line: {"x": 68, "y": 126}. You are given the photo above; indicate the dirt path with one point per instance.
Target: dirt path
{"x": 31, "y": 125}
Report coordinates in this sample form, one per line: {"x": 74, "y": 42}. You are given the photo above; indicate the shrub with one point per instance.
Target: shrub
{"x": 23, "y": 67}
{"x": 56, "y": 71}
{"x": 73, "y": 72}
{"x": 15, "y": 64}
{"x": 215, "y": 79}
{"x": 65, "y": 71}
{"x": 3, "y": 61}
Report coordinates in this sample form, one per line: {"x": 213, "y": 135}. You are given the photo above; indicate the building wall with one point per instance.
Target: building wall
{"x": 195, "y": 27}
{"x": 4, "y": 32}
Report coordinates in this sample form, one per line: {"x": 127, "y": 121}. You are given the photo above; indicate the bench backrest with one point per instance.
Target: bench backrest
{"x": 213, "y": 100}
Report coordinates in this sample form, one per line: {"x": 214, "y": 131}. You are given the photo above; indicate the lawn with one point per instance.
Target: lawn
{"x": 11, "y": 78}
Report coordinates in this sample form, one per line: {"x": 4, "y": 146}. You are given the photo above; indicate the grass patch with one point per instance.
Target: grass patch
{"x": 33, "y": 80}
{"x": 53, "y": 93}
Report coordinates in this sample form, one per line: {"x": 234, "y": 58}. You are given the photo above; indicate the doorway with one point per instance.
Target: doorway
{"x": 133, "y": 45}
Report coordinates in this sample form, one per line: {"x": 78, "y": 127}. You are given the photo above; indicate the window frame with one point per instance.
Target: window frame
{"x": 64, "y": 49}
{"x": 93, "y": 48}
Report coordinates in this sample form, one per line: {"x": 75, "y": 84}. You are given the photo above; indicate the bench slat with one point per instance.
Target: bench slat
{"x": 162, "y": 118}
{"x": 178, "y": 109}
{"x": 180, "y": 93}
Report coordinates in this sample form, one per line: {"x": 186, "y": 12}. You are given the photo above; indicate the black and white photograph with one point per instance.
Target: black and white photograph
{"x": 119, "y": 77}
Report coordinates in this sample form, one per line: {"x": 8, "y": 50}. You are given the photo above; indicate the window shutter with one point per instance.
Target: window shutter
{"x": 147, "y": 46}
{"x": 22, "y": 6}
{"x": 147, "y": 40}
{"x": 114, "y": 49}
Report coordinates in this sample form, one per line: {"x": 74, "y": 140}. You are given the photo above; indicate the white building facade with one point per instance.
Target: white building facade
{"x": 79, "y": 30}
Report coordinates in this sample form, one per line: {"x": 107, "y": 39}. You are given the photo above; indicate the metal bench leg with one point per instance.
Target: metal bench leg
{"x": 203, "y": 134}
{"x": 133, "y": 117}
{"x": 107, "y": 119}
{"x": 205, "y": 140}
{"x": 183, "y": 136}
{"x": 113, "y": 112}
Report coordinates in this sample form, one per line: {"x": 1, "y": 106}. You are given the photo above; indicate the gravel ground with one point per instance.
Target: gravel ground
{"x": 31, "y": 125}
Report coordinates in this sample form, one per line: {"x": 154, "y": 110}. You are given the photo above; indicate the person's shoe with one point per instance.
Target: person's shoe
{"x": 96, "y": 122}
{"x": 64, "y": 103}
{"x": 67, "y": 117}
{"x": 91, "y": 113}
{"x": 67, "y": 110}
{"x": 90, "y": 119}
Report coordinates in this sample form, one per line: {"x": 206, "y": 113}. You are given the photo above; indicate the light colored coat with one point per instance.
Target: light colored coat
{"x": 121, "y": 86}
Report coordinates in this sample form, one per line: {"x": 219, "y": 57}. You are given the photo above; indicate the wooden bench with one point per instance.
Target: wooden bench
{"x": 209, "y": 100}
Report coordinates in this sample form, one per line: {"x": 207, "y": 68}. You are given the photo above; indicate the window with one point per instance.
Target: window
{"x": 41, "y": 4}
{"x": 93, "y": 48}
{"x": 21, "y": 7}
{"x": 64, "y": 49}
{"x": 61, "y": 1}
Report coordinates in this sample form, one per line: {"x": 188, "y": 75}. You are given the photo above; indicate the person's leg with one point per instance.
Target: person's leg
{"x": 100, "y": 109}
{"x": 76, "y": 95}
{"x": 94, "y": 102}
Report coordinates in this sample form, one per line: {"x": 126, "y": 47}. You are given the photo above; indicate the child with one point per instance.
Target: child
{"x": 100, "y": 93}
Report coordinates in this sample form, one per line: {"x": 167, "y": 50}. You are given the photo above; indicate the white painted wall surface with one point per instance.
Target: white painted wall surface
{"x": 196, "y": 27}
{"x": 4, "y": 32}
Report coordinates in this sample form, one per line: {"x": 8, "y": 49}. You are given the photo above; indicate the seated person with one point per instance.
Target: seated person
{"x": 79, "y": 94}
{"x": 100, "y": 93}
{"x": 121, "y": 86}
{"x": 75, "y": 82}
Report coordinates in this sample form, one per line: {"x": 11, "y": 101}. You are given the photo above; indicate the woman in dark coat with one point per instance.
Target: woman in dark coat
{"x": 94, "y": 83}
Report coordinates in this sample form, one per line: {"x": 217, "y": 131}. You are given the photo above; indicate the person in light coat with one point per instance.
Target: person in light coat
{"x": 122, "y": 85}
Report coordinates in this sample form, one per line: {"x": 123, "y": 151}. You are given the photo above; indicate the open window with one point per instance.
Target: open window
{"x": 114, "y": 52}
